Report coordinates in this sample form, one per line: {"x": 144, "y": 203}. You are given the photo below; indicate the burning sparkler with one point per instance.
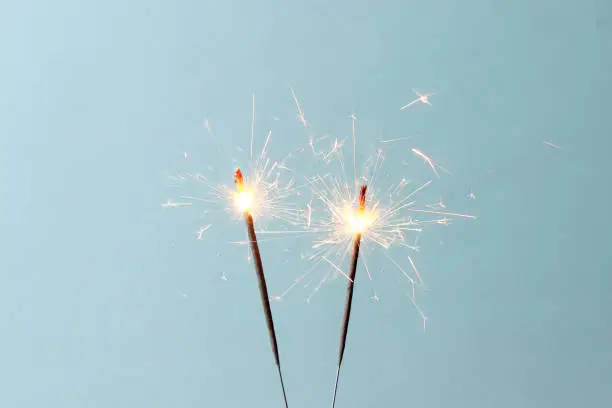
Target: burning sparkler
{"x": 360, "y": 222}
{"x": 270, "y": 178}
{"x": 390, "y": 216}
{"x": 244, "y": 201}
{"x": 329, "y": 214}
{"x": 263, "y": 196}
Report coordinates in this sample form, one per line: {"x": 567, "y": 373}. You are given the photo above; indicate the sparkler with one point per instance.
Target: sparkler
{"x": 391, "y": 215}
{"x": 269, "y": 178}
{"x": 358, "y": 225}
{"x": 244, "y": 200}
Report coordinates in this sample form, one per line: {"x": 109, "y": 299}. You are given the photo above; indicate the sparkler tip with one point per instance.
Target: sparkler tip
{"x": 238, "y": 180}
{"x": 358, "y": 222}
{"x": 244, "y": 197}
{"x": 362, "y": 197}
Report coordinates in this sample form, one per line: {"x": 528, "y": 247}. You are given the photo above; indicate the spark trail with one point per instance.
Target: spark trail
{"x": 423, "y": 98}
{"x": 349, "y": 288}
{"x": 244, "y": 198}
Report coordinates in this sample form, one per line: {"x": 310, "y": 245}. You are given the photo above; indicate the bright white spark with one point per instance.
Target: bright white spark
{"x": 173, "y": 204}
{"x": 423, "y": 98}
{"x": 203, "y": 230}
{"x": 427, "y": 160}
{"x": 300, "y": 114}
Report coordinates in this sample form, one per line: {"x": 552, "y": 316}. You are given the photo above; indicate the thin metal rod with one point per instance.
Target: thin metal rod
{"x": 336, "y": 386}
{"x": 349, "y": 295}
{"x": 280, "y": 375}
{"x": 265, "y": 300}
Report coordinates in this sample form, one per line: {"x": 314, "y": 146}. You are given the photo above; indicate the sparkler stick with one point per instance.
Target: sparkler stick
{"x": 244, "y": 199}
{"x": 349, "y": 292}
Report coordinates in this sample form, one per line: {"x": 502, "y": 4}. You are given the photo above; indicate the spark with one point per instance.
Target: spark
{"x": 436, "y": 206}
{"x": 209, "y": 130}
{"x": 414, "y": 268}
{"x": 309, "y": 215}
{"x": 551, "y": 144}
{"x": 300, "y": 114}
{"x": 427, "y": 160}
{"x": 397, "y": 139}
{"x": 415, "y": 246}
{"x": 170, "y": 203}
{"x": 423, "y": 98}
{"x": 203, "y": 230}
{"x": 336, "y": 146}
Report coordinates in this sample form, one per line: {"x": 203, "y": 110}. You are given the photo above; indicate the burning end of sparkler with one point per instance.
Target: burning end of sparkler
{"x": 243, "y": 197}
{"x": 359, "y": 221}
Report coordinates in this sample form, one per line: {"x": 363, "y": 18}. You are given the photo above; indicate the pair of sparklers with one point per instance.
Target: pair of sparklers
{"x": 244, "y": 199}
{"x": 385, "y": 225}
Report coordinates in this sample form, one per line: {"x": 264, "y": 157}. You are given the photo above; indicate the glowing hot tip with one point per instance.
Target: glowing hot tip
{"x": 243, "y": 197}
{"x": 358, "y": 222}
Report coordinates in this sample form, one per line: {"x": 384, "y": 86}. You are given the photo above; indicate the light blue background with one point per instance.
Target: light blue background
{"x": 99, "y": 100}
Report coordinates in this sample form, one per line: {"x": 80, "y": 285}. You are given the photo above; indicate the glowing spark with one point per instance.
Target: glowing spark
{"x": 397, "y": 139}
{"x": 439, "y": 205}
{"x": 416, "y": 271}
{"x": 309, "y": 205}
{"x": 551, "y": 144}
{"x": 209, "y": 130}
{"x": 337, "y": 269}
{"x": 299, "y": 108}
{"x": 452, "y": 214}
{"x": 427, "y": 160}
{"x": 203, "y": 230}
{"x": 173, "y": 204}
{"x": 423, "y": 98}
